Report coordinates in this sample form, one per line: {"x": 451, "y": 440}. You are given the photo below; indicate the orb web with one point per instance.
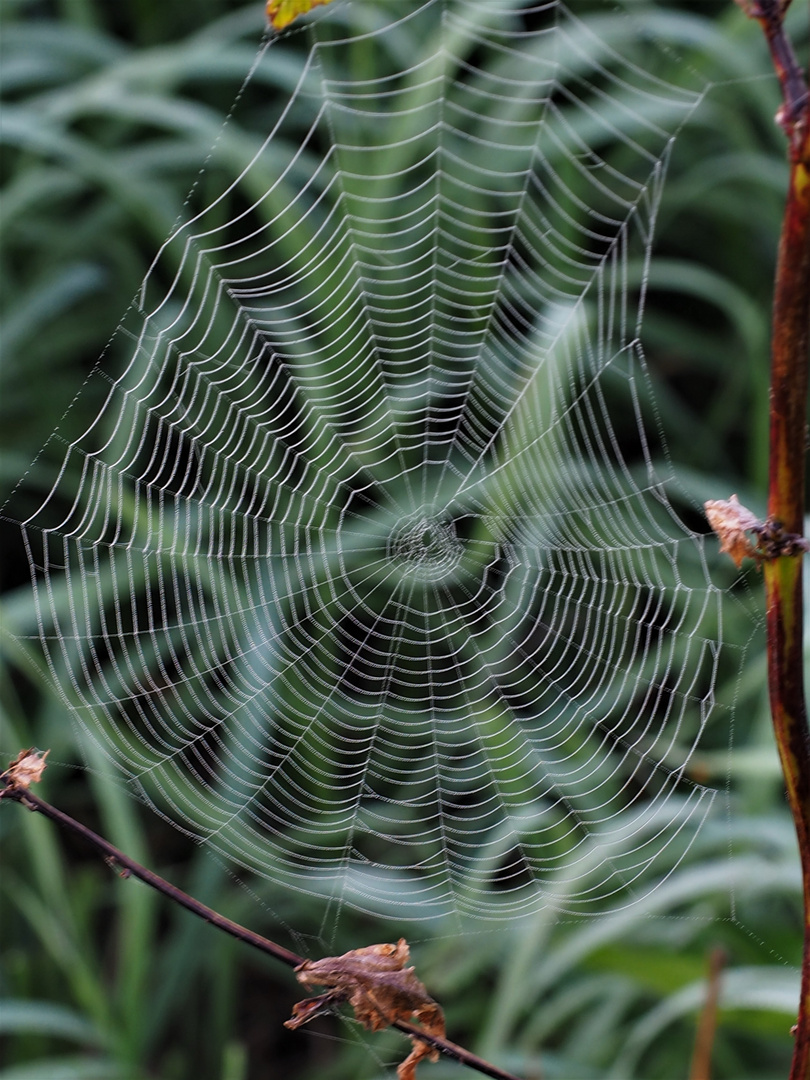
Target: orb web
{"x": 366, "y": 574}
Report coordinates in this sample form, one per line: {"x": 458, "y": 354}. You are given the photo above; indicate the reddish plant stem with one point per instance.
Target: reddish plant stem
{"x": 124, "y": 864}
{"x": 783, "y": 576}
{"x": 790, "y": 344}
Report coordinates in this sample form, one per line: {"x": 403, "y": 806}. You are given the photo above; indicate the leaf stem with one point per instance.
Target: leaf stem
{"x": 124, "y": 864}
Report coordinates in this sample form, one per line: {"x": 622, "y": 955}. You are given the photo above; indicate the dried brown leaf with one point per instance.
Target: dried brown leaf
{"x": 732, "y": 521}
{"x": 380, "y": 989}
{"x": 304, "y": 1011}
{"x": 26, "y": 769}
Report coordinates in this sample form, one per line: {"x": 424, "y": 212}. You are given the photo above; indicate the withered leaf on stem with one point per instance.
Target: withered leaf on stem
{"x": 26, "y": 769}
{"x": 380, "y": 989}
{"x": 732, "y": 521}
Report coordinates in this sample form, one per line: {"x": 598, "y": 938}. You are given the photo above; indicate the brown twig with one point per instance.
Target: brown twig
{"x": 790, "y": 344}
{"x": 16, "y": 791}
{"x": 701, "y": 1068}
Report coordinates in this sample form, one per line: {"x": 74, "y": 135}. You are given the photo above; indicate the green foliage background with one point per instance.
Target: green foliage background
{"x": 109, "y": 112}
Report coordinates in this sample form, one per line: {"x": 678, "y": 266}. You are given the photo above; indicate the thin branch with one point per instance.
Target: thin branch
{"x": 126, "y": 866}
{"x": 18, "y": 792}
{"x": 701, "y": 1068}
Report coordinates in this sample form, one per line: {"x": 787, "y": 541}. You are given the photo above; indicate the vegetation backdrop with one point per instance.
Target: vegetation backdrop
{"x": 109, "y": 111}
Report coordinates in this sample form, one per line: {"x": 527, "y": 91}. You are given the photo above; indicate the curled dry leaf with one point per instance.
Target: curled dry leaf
{"x": 281, "y": 13}
{"x": 26, "y": 769}
{"x": 380, "y": 989}
{"x": 732, "y": 521}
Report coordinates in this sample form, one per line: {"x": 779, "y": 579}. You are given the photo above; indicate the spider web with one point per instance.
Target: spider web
{"x": 366, "y": 574}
